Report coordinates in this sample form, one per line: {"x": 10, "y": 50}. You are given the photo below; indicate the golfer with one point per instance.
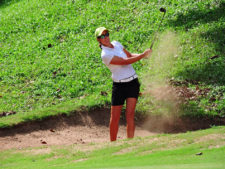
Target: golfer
{"x": 125, "y": 81}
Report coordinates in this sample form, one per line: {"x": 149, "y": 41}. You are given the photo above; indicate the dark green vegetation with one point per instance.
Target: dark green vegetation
{"x": 200, "y": 149}
{"x": 50, "y": 60}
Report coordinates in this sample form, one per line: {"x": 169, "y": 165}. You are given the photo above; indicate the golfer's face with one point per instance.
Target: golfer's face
{"x": 104, "y": 38}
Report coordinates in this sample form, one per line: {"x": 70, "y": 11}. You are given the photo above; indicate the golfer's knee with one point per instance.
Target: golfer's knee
{"x": 114, "y": 119}
{"x": 130, "y": 115}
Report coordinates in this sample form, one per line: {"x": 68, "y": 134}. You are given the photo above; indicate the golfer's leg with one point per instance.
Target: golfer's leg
{"x": 130, "y": 111}
{"x": 114, "y": 121}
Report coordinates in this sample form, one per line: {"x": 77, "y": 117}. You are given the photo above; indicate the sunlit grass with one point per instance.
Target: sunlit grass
{"x": 49, "y": 55}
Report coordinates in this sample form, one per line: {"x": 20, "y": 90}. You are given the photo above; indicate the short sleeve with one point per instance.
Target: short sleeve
{"x": 119, "y": 45}
{"x": 106, "y": 58}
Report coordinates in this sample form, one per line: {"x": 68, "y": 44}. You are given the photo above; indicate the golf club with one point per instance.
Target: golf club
{"x": 164, "y": 12}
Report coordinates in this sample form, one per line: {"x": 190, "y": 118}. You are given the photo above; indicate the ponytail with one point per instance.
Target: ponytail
{"x": 100, "y": 45}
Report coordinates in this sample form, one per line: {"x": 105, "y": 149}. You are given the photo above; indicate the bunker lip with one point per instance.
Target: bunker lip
{"x": 92, "y": 127}
{"x": 78, "y": 128}
{"x": 101, "y": 117}
{"x": 162, "y": 124}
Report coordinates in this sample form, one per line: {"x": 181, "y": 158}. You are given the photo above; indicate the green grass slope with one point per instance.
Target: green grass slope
{"x": 50, "y": 60}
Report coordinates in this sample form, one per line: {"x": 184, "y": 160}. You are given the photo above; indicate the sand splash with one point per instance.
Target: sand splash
{"x": 158, "y": 95}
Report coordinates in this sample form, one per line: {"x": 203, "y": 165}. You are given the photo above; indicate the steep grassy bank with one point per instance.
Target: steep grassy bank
{"x": 49, "y": 57}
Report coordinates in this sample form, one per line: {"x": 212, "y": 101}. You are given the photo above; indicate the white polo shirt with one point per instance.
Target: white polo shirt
{"x": 119, "y": 72}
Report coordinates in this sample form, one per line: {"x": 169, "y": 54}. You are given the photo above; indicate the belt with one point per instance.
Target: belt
{"x": 126, "y": 79}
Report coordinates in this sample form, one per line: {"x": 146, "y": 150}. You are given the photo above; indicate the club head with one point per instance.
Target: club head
{"x": 162, "y": 10}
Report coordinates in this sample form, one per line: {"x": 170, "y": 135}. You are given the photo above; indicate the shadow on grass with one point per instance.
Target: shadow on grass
{"x": 193, "y": 17}
{"x": 4, "y": 3}
{"x": 217, "y": 36}
{"x": 211, "y": 71}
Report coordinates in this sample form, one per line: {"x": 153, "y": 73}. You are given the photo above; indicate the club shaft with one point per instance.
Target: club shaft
{"x": 157, "y": 31}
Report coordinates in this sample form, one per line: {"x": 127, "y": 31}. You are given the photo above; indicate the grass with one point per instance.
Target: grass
{"x": 50, "y": 64}
{"x": 159, "y": 151}
{"x": 62, "y": 108}
{"x": 49, "y": 57}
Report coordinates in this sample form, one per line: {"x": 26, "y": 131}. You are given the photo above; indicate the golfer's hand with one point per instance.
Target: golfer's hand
{"x": 147, "y": 53}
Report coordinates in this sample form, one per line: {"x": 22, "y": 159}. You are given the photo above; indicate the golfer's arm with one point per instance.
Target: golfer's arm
{"x": 129, "y": 54}
{"x": 126, "y": 61}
